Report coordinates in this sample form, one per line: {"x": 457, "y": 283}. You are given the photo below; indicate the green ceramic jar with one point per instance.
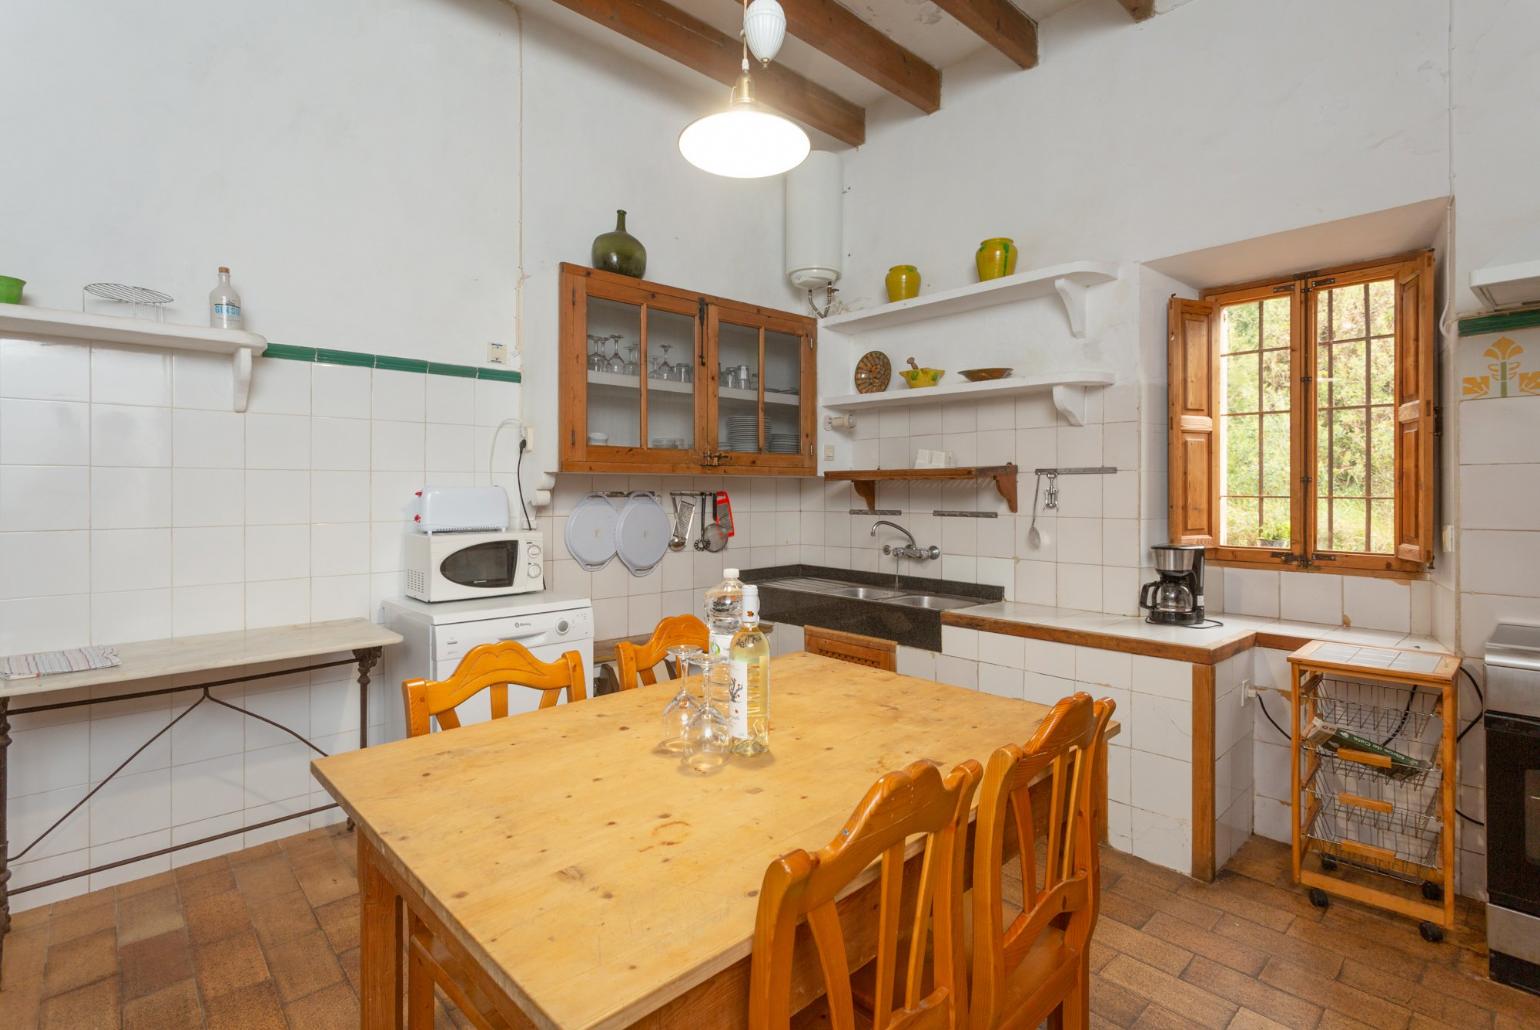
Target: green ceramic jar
{"x": 10, "y": 289}
{"x": 996, "y": 257}
{"x": 903, "y": 282}
{"x": 619, "y": 251}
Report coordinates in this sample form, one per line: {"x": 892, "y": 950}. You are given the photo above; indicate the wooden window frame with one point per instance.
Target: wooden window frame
{"x": 1195, "y": 419}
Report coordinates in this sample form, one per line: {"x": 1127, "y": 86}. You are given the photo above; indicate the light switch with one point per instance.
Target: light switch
{"x": 497, "y": 354}
{"x": 828, "y": 450}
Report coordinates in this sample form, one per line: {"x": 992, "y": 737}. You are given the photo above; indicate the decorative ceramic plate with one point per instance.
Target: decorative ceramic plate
{"x": 979, "y": 375}
{"x": 873, "y": 372}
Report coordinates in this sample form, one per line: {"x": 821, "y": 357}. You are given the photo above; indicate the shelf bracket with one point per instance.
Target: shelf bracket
{"x": 1073, "y": 295}
{"x": 866, "y": 489}
{"x": 1070, "y": 400}
{"x": 240, "y": 373}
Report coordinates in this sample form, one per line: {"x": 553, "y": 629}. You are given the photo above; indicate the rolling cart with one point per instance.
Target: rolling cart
{"x": 1374, "y": 778}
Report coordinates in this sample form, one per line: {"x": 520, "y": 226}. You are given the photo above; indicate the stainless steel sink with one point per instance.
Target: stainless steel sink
{"x": 864, "y": 593}
{"x": 932, "y": 602}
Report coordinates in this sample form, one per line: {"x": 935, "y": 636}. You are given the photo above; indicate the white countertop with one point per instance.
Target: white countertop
{"x": 1234, "y": 627}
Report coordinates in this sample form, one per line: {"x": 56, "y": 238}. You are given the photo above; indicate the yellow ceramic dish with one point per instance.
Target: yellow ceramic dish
{"x": 918, "y": 378}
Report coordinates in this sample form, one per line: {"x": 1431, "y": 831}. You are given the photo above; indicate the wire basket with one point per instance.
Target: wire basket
{"x": 137, "y": 298}
{"x": 1405, "y": 846}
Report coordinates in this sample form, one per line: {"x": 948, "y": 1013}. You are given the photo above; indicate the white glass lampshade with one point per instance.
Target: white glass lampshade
{"x": 764, "y": 29}
{"x": 745, "y": 141}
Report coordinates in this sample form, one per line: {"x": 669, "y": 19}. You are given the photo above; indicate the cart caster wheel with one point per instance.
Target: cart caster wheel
{"x": 1319, "y": 898}
{"x": 1432, "y": 891}
{"x": 1431, "y": 932}
{"x": 1328, "y": 864}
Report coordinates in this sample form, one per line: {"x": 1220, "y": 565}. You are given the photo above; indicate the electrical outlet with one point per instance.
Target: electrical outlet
{"x": 1247, "y": 689}
{"x": 1448, "y": 539}
{"x": 528, "y": 433}
{"x": 497, "y": 353}
{"x": 828, "y": 451}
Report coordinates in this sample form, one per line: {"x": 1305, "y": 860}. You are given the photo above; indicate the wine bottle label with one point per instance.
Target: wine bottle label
{"x": 738, "y": 701}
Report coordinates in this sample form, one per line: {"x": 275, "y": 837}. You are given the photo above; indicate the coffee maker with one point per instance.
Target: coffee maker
{"x": 1176, "y": 598}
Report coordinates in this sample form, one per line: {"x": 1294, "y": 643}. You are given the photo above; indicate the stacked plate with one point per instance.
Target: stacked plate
{"x": 783, "y": 443}
{"x": 743, "y": 432}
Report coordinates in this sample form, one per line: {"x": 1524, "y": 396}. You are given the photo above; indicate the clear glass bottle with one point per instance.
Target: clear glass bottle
{"x": 724, "y": 610}
{"x": 748, "y": 700}
{"x": 224, "y": 303}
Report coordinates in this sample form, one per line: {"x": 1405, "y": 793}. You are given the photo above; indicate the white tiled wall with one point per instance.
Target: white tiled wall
{"x": 135, "y": 505}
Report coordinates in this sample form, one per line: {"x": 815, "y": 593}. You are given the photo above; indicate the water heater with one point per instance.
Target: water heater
{"x": 814, "y": 224}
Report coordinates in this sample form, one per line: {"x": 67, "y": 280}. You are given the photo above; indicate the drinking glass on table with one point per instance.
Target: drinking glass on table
{"x": 708, "y": 738}
{"x": 676, "y": 714}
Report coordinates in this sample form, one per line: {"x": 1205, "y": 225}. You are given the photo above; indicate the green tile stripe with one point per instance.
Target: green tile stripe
{"x": 358, "y": 359}
{"x": 1483, "y": 324}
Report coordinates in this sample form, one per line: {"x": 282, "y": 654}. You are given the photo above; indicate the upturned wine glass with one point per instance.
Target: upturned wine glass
{"x": 708, "y": 739}
{"x": 676, "y": 714}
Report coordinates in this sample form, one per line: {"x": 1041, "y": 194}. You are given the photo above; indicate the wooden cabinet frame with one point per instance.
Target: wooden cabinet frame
{"x": 578, "y": 284}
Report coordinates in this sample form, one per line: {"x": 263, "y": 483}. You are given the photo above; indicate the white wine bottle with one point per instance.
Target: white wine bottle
{"x": 748, "y": 700}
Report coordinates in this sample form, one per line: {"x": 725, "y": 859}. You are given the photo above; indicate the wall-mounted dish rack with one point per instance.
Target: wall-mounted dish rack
{"x": 1374, "y": 778}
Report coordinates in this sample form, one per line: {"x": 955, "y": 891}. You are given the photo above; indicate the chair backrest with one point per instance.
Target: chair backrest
{"x": 1059, "y": 765}
{"x": 872, "y": 652}
{"x": 494, "y": 666}
{"x": 638, "y": 662}
{"x": 911, "y": 802}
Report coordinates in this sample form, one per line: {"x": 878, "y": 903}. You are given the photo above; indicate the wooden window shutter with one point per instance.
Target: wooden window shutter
{"x": 1414, "y": 410}
{"x": 1192, "y": 347}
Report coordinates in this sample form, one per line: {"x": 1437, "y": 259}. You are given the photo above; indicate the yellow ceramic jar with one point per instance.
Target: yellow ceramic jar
{"x": 903, "y": 282}
{"x": 995, "y": 258}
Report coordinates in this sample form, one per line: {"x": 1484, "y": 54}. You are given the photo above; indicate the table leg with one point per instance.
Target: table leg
{"x": 366, "y": 657}
{"x": 382, "y": 940}
{"x": 5, "y": 845}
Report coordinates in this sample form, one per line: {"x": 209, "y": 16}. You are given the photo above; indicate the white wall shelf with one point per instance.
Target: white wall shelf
{"x": 1069, "y": 389}
{"x": 46, "y": 324}
{"x": 1069, "y": 281}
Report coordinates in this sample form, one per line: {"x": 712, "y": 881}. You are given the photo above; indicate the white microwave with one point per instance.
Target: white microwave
{"x": 458, "y": 566}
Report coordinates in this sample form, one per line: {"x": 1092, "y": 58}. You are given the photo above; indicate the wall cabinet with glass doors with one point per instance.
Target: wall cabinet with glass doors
{"x": 660, "y": 379}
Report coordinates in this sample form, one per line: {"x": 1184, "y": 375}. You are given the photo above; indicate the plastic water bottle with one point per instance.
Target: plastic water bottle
{"x": 724, "y": 612}
{"x": 224, "y": 303}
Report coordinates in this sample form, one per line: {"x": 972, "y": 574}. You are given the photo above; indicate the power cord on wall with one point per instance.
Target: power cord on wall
{"x": 1404, "y": 715}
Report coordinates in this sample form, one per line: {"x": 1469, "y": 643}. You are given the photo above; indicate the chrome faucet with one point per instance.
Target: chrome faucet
{"x": 909, "y": 550}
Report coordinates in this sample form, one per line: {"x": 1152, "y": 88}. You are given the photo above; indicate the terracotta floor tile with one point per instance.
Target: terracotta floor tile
{"x": 75, "y": 922}
{"x": 335, "y": 1008}
{"x": 1199, "y": 1006}
{"x": 216, "y": 916}
{"x": 215, "y": 880}
{"x": 1162, "y": 900}
{"x": 324, "y": 879}
{"x": 282, "y": 917}
{"x": 24, "y": 953}
{"x": 149, "y": 914}
{"x": 1377, "y": 982}
{"x": 1311, "y": 955}
{"x": 340, "y": 921}
{"x": 1321, "y": 943}
{"x": 250, "y": 1008}
{"x": 303, "y": 965}
{"x": 201, "y": 868}
{"x": 36, "y": 916}
{"x": 150, "y": 965}
{"x": 1248, "y": 993}
{"x": 174, "y": 1007}
{"x": 1119, "y": 906}
{"x": 1158, "y": 1017}
{"x": 20, "y": 1003}
{"x": 1230, "y": 893}
{"x": 1225, "y": 950}
{"x": 78, "y": 962}
{"x": 80, "y": 901}
{"x": 256, "y": 853}
{"x": 349, "y": 961}
{"x": 1483, "y": 993}
{"x": 1163, "y": 955}
{"x": 265, "y": 878}
{"x": 1246, "y": 1019}
{"x": 130, "y": 888}
{"x": 229, "y": 964}
{"x": 1117, "y": 863}
{"x": 1333, "y": 1020}
{"x": 1117, "y": 1005}
{"x": 92, "y": 1007}
{"x": 1333, "y": 994}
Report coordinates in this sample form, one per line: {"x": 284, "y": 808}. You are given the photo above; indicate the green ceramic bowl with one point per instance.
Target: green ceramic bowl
{"x": 919, "y": 378}
{"x": 10, "y": 289}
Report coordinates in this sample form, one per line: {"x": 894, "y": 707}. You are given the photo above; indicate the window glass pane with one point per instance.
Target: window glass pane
{"x": 783, "y": 384}
{"x": 1347, "y": 444}
{"x": 1347, "y": 374}
{"x": 614, "y": 384}
{"x": 1323, "y": 315}
{"x": 1382, "y": 307}
{"x": 1275, "y": 380}
{"x": 1275, "y": 522}
{"x": 1238, "y": 328}
{"x": 1275, "y": 322}
{"x": 1348, "y": 527}
{"x": 1240, "y": 454}
{"x": 1382, "y": 526}
{"x": 1382, "y": 370}
{"x": 1275, "y": 455}
{"x": 1347, "y": 312}
{"x": 1382, "y": 451}
{"x": 1240, "y": 523}
{"x": 1240, "y": 383}
{"x": 738, "y": 388}
{"x": 671, "y": 368}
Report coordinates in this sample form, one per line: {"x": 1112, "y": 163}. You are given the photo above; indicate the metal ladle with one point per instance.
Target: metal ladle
{"x": 1035, "y": 537}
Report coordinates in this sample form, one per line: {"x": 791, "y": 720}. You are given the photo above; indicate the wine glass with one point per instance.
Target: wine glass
{"x": 676, "y": 714}
{"x": 617, "y": 363}
{"x": 709, "y": 738}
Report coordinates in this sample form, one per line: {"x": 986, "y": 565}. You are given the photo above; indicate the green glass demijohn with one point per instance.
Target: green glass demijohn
{"x": 619, "y": 251}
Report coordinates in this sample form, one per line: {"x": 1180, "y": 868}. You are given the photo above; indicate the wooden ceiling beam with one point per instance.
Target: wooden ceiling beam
{"x": 1139, "y": 10}
{"x": 1000, "y": 24}
{"x": 684, "y": 38}
{"x": 833, "y": 30}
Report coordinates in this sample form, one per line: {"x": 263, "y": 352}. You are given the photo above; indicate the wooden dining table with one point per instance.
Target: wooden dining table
{"x": 585, "y": 879}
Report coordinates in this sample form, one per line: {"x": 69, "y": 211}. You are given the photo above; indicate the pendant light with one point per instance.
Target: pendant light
{"x": 748, "y": 141}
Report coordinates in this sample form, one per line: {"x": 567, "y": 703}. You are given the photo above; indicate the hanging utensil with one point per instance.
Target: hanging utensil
{"x": 684, "y": 521}
{"x": 700, "y": 541}
{"x": 1035, "y": 538}
{"x": 716, "y": 536}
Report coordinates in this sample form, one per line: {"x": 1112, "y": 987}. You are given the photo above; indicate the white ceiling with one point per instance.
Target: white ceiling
{"x": 918, "y": 25}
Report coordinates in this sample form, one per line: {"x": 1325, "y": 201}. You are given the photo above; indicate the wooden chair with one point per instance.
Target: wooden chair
{"x": 872, "y": 652}
{"x": 638, "y": 662}
{"x": 914, "y": 801}
{"x": 1038, "y": 967}
{"x": 496, "y": 666}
